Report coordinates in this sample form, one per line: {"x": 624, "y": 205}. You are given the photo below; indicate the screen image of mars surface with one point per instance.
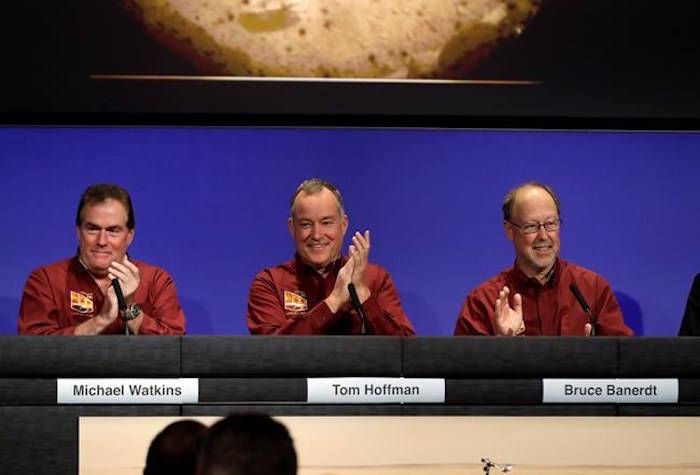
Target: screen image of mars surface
{"x": 407, "y": 39}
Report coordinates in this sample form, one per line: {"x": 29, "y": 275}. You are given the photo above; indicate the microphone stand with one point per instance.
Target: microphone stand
{"x": 358, "y": 306}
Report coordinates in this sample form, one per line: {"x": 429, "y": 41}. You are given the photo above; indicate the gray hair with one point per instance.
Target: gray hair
{"x": 312, "y": 186}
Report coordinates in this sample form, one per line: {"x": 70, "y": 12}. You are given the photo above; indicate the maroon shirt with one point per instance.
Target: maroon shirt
{"x": 61, "y": 296}
{"x": 289, "y": 300}
{"x": 549, "y": 309}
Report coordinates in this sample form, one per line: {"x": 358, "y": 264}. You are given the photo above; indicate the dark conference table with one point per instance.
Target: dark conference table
{"x": 483, "y": 376}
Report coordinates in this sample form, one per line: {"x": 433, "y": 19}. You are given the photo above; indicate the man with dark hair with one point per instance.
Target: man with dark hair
{"x": 174, "y": 450}
{"x": 75, "y": 296}
{"x": 534, "y": 296}
{"x": 247, "y": 444}
{"x": 690, "y": 325}
{"x": 309, "y": 294}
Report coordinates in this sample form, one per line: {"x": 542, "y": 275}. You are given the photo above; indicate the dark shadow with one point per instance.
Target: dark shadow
{"x": 632, "y": 313}
{"x": 422, "y": 315}
{"x": 197, "y": 317}
{"x": 9, "y": 310}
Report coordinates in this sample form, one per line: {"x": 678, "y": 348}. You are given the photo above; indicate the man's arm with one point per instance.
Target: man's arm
{"x": 383, "y": 310}
{"x": 266, "y": 315}
{"x": 690, "y": 326}
{"x": 38, "y": 312}
{"x": 166, "y": 316}
{"x": 474, "y": 317}
{"x": 609, "y": 319}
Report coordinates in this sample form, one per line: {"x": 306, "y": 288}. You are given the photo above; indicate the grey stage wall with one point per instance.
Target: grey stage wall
{"x": 484, "y": 376}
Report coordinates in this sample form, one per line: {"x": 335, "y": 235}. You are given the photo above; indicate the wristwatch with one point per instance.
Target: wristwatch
{"x": 131, "y": 312}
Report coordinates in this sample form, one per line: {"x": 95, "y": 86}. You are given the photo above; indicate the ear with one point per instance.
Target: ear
{"x": 345, "y": 223}
{"x": 130, "y": 237}
{"x": 290, "y": 226}
{"x": 508, "y": 229}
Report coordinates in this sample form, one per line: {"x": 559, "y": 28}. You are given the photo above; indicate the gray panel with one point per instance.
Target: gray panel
{"x": 689, "y": 391}
{"x": 300, "y": 356}
{"x": 44, "y": 439}
{"x": 493, "y": 391}
{"x": 541, "y": 410}
{"x": 95, "y": 356}
{"x": 659, "y": 410}
{"x": 516, "y": 357}
{"x": 222, "y": 390}
{"x": 293, "y": 409}
{"x": 19, "y": 392}
{"x": 660, "y": 357}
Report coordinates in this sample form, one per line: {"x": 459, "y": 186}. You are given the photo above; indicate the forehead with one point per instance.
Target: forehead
{"x": 323, "y": 203}
{"x": 109, "y": 211}
{"x": 534, "y": 203}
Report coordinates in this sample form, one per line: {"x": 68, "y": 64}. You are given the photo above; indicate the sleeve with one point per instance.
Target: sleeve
{"x": 266, "y": 315}
{"x": 610, "y": 321}
{"x": 38, "y": 312}
{"x": 165, "y": 316}
{"x": 690, "y": 326}
{"x": 383, "y": 310}
{"x": 474, "y": 317}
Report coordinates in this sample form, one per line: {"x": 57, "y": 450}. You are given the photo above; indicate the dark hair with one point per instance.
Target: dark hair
{"x": 102, "y": 192}
{"x": 509, "y": 200}
{"x": 174, "y": 450}
{"x": 312, "y": 186}
{"x": 247, "y": 444}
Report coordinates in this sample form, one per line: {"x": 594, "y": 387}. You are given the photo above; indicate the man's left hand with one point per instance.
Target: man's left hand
{"x": 359, "y": 252}
{"x": 128, "y": 275}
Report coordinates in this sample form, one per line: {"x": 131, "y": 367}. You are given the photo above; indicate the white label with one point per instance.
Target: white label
{"x": 127, "y": 391}
{"x": 661, "y": 391}
{"x": 375, "y": 390}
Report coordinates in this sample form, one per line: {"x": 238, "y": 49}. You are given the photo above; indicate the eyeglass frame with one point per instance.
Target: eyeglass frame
{"x": 558, "y": 222}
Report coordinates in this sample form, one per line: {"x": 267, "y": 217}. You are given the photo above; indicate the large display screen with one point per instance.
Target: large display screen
{"x": 586, "y": 59}
{"x": 212, "y": 206}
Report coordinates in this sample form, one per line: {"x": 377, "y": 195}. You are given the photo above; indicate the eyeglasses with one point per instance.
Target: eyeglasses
{"x": 534, "y": 228}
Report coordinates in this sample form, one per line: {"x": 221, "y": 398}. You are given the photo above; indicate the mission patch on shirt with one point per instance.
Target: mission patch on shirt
{"x": 295, "y": 301}
{"x": 81, "y": 302}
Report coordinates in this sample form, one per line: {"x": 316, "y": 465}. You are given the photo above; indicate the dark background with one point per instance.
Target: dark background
{"x": 600, "y": 63}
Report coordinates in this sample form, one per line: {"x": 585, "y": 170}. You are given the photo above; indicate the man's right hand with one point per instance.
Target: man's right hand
{"x": 509, "y": 321}
{"x": 340, "y": 294}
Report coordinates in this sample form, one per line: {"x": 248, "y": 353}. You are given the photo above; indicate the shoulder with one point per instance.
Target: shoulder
{"x": 57, "y": 268}
{"x": 277, "y": 272}
{"x": 493, "y": 284}
{"x": 149, "y": 271}
{"x": 582, "y": 276}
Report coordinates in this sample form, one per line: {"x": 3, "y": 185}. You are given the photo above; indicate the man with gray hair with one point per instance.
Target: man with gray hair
{"x": 311, "y": 293}
{"x": 541, "y": 294}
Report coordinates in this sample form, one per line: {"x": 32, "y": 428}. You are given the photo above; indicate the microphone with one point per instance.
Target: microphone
{"x": 584, "y": 305}
{"x": 357, "y": 305}
{"x": 121, "y": 302}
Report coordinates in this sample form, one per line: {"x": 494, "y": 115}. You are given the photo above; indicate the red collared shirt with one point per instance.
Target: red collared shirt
{"x": 289, "y": 300}
{"x": 61, "y": 296}
{"x": 549, "y": 309}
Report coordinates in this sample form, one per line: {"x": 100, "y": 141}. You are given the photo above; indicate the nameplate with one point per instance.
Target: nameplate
{"x": 127, "y": 391}
{"x": 659, "y": 391}
{"x": 375, "y": 390}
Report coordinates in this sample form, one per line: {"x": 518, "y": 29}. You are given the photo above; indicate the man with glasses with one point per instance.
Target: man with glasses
{"x": 537, "y": 295}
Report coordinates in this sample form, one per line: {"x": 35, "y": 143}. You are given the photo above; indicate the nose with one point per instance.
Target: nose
{"x": 315, "y": 231}
{"x": 102, "y": 238}
{"x": 542, "y": 233}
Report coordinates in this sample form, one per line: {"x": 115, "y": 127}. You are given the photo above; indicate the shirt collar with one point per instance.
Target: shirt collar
{"x": 551, "y": 281}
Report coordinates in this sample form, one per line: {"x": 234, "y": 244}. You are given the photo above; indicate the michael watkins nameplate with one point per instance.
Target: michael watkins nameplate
{"x": 659, "y": 391}
{"x": 127, "y": 391}
{"x": 375, "y": 390}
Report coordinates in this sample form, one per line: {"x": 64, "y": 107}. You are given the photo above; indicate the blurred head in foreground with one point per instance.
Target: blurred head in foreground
{"x": 174, "y": 450}
{"x": 247, "y": 444}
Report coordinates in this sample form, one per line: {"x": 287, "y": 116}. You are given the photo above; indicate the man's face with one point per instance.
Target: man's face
{"x": 318, "y": 228}
{"x": 103, "y": 236}
{"x": 535, "y": 253}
